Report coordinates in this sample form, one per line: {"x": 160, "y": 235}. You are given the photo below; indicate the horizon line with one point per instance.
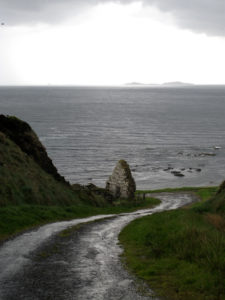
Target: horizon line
{"x": 128, "y": 85}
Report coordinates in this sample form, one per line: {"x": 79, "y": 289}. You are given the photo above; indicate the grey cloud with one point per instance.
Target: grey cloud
{"x": 206, "y": 16}
{"x": 20, "y": 12}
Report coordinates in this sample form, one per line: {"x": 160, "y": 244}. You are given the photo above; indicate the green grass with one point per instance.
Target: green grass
{"x": 203, "y": 192}
{"x": 29, "y": 196}
{"x": 14, "y": 219}
{"x": 180, "y": 253}
{"x": 23, "y": 181}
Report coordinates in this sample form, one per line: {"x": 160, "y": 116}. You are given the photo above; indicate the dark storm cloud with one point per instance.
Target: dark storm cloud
{"x": 200, "y": 15}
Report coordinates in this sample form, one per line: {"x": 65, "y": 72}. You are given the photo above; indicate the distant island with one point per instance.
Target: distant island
{"x": 165, "y": 84}
{"x": 141, "y": 84}
{"x": 134, "y": 83}
{"x": 177, "y": 83}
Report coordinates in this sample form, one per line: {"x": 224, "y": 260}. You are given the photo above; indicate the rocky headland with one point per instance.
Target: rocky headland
{"x": 28, "y": 175}
{"x": 26, "y": 139}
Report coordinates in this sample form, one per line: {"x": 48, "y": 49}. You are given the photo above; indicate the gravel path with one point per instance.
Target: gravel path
{"x": 80, "y": 264}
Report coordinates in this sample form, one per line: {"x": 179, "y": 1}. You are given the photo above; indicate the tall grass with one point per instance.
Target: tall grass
{"x": 181, "y": 253}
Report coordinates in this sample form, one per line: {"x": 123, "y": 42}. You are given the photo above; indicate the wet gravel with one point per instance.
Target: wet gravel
{"x": 81, "y": 263}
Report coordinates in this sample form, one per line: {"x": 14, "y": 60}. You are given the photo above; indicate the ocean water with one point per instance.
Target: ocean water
{"x": 157, "y": 130}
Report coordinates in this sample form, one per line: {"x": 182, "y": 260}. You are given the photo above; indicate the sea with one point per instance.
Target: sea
{"x": 170, "y": 136}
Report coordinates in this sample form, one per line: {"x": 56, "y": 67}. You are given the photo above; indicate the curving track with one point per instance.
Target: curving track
{"x": 44, "y": 264}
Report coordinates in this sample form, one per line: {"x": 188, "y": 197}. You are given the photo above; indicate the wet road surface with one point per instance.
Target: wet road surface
{"x": 79, "y": 264}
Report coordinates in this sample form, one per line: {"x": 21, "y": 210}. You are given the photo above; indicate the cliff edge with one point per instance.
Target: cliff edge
{"x": 26, "y": 139}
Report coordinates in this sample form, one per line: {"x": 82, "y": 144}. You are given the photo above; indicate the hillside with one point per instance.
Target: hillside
{"x": 28, "y": 176}
{"x": 25, "y": 138}
{"x": 24, "y": 181}
{"x": 32, "y": 192}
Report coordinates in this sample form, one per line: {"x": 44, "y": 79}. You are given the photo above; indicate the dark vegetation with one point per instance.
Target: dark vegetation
{"x": 28, "y": 176}
{"x": 23, "y": 181}
{"x": 33, "y": 193}
{"x": 25, "y": 138}
{"x": 181, "y": 253}
{"x": 16, "y": 218}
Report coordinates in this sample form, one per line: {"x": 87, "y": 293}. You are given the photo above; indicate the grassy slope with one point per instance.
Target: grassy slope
{"x": 23, "y": 181}
{"x": 14, "y": 219}
{"x": 29, "y": 196}
{"x": 33, "y": 193}
{"x": 181, "y": 253}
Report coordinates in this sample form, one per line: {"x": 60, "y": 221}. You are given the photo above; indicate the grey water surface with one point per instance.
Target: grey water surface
{"x": 42, "y": 264}
{"x": 157, "y": 130}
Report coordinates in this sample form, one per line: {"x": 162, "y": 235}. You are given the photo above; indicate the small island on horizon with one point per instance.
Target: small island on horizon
{"x": 165, "y": 84}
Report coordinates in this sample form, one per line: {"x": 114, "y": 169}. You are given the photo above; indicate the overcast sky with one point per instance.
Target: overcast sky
{"x": 101, "y": 42}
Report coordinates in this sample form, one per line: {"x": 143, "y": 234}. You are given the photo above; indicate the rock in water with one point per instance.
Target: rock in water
{"x": 121, "y": 184}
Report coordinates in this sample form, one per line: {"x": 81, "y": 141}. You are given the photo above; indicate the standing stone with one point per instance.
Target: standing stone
{"x": 121, "y": 183}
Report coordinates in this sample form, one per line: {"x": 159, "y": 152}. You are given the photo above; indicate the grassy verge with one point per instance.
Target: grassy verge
{"x": 14, "y": 219}
{"x": 179, "y": 253}
{"x": 203, "y": 192}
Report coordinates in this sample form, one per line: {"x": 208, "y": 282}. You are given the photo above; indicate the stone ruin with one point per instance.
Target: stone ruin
{"x": 121, "y": 184}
